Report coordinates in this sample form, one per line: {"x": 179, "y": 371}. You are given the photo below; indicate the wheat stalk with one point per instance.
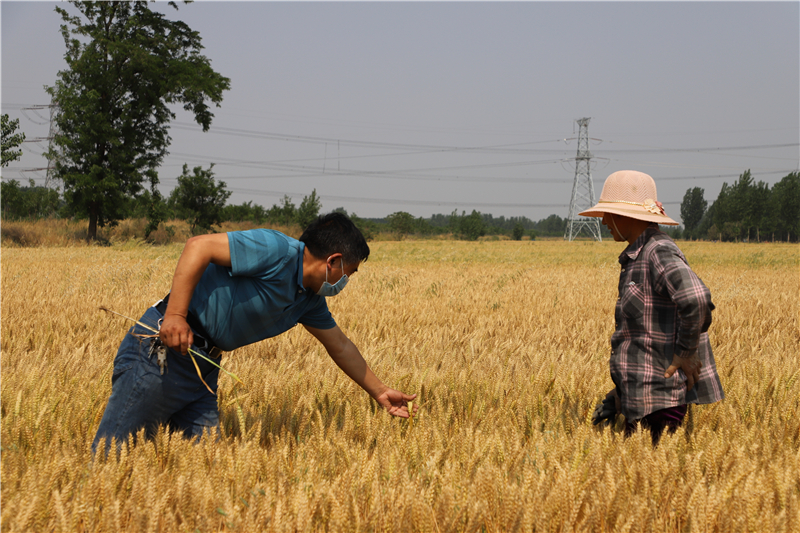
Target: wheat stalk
{"x": 192, "y": 352}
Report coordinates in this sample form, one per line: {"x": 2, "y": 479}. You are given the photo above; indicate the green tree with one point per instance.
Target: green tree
{"x": 552, "y": 226}
{"x": 285, "y": 214}
{"x": 10, "y": 198}
{"x": 422, "y": 227}
{"x": 30, "y": 202}
{"x": 157, "y": 211}
{"x": 401, "y": 223}
{"x": 693, "y": 208}
{"x": 747, "y": 210}
{"x": 518, "y": 231}
{"x": 472, "y": 226}
{"x": 723, "y": 211}
{"x": 126, "y": 65}
{"x": 309, "y": 209}
{"x": 759, "y": 199}
{"x": 454, "y": 222}
{"x": 367, "y": 228}
{"x": 785, "y": 205}
{"x": 246, "y": 211}
{"x": 439, "y": 221}
{"x": 675, "y": 232}
{"x": 10, "y": 140}
{"x": 740, "y": 207}
{"x": 704, "y": 228}
{"x": 199, "y": 199}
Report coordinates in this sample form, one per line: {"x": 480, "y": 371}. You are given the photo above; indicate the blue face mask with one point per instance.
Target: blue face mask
{"x": 332, "y": 290}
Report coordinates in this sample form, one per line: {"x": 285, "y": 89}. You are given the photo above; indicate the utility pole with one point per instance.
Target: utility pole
{"x": 582, "y": 190}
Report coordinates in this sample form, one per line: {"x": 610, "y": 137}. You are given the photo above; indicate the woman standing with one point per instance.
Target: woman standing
{"x": 661, "y": 358}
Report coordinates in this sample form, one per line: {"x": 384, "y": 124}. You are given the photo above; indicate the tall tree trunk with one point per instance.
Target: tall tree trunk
{"x": 92, "y": 234}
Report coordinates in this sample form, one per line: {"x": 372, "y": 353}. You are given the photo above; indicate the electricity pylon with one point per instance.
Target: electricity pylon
{"x": 582, "y": 190}
{"x": 53, "y": 107}
{"x": 50, "y": 137}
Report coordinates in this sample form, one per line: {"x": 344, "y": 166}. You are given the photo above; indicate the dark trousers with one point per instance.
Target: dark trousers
{"x": 143, "y": 398}
{"x": 657, "y": 421}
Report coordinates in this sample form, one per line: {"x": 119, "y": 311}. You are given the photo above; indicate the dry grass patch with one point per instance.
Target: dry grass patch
{"x": 64, "y": 232}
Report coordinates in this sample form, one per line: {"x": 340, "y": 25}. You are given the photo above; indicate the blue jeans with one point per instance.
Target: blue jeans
{"x": 142, "y": 398}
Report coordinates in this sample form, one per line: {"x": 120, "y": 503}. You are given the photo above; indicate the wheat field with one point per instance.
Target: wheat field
{"x": 506, "y": 344}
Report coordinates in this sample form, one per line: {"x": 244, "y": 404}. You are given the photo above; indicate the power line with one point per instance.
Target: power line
{"x": 655, "y": 149}
{"x": 721, "y": 176}
{"x": 300, "y": 171}
{"x": 504, "y": 148}
{"x": 391, "y": 201}
{"x": 476, "y": 149}
{"x": 374, "y": 173}
{"x": 508, "y": 180}
{"x": 459, "y": 179}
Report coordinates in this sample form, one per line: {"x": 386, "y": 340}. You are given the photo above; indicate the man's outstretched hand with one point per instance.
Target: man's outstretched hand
{"x": 396, "y": 402}
{"x": 691, "y": 367}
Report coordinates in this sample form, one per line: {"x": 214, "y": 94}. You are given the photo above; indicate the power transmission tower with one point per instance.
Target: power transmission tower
{"x": 582, "y": 190}
{"x": 53, "y": 107}
{"x": 50, "y": 136}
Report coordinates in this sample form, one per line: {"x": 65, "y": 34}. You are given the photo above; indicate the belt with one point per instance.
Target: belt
{"x": 201, "y": 339}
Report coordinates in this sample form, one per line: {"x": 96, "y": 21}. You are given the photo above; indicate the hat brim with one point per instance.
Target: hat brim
{"x": 627, "y": 210}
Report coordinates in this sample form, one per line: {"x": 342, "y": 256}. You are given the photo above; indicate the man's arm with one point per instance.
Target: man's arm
{"x": 347, "y": 357}
{"x": 198, "y": 253}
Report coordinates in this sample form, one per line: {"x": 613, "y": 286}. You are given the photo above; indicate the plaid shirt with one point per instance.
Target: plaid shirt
{"x": 663, "y": 310}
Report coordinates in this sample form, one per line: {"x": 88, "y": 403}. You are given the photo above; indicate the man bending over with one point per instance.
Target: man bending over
{"x": 230, "y": 290}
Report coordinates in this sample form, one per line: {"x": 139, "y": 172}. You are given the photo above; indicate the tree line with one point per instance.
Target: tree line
{"x": 745, "y": 211}
{"x": 201, "y": 200}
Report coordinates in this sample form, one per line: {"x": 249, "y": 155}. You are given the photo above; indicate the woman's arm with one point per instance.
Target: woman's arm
{"x": 671, "y": 274}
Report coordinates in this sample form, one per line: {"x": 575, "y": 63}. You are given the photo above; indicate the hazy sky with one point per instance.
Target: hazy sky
{"x": 430, "y": 107}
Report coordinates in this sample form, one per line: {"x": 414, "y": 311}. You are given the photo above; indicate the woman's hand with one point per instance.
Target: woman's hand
{"x": 606, "y": 411}
{"x": 691, "y": 367}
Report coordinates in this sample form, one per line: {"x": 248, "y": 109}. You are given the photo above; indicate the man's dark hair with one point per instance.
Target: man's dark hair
{"x": 335, "y": 233}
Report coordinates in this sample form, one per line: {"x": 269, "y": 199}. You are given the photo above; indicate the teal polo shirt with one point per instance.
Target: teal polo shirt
{"x": 261, "y": 295}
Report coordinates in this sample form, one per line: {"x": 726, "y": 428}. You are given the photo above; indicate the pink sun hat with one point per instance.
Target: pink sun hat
{"x": 630, "y": 194}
